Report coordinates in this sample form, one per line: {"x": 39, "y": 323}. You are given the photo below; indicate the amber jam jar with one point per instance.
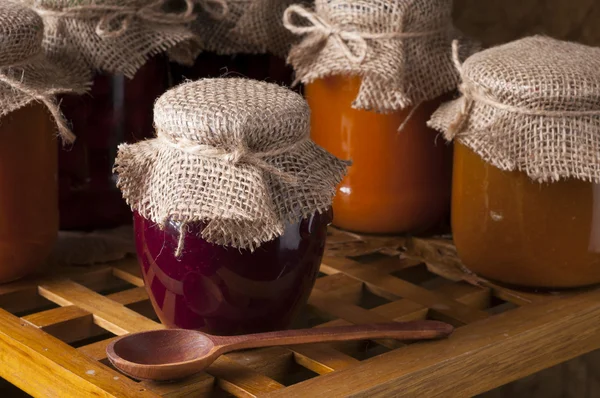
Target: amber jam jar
{"x": 511, "y": 229}
{"x": 228, "y": 291}
{"x": 399, "y": 181}
{"x": 29, "y": 199}
{"x": 525, "y": 193}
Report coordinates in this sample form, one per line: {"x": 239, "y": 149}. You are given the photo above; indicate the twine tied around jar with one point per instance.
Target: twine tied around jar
{"x": 341, "y": 37}
{"x": 115, "y": 20}
{"x": 50, "y": 103}
{"x": 472, "y": 94}
{"x": 240, "y": 154}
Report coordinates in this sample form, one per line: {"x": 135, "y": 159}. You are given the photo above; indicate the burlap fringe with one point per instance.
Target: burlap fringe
{"x": 400, "y": 50}
{"x": 245, "y": 169}
{"x": 520, "y": 115}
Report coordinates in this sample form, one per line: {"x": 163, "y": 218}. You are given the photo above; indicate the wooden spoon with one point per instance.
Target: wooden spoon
{"x": 170, "y": 354}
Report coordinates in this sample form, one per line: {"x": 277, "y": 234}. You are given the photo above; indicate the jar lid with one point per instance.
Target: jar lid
{"x": 226, "y": 113}
{"x": 532, "y": 105}
{"x": 115, "y": 36}
{"x": 399, "y": 48}
{"x": 238, "y": 26}
{"x": 28, "y": 73}
{"x": 21, "y": 34}
{"x": 232, "y": 153}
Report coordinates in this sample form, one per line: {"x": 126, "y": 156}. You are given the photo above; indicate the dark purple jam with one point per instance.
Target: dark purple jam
{"x": 227, "y": 291}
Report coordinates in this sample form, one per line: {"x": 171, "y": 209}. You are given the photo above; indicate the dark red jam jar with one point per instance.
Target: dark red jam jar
{"x": 232, "y": 202}
{"x": 223, "y": 290}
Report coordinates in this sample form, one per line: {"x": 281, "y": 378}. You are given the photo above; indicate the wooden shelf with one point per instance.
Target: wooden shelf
{"x": 54, "y": 331}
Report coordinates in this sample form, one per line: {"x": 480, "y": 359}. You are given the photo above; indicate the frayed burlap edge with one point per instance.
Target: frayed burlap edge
{"x": 138, "y": 168}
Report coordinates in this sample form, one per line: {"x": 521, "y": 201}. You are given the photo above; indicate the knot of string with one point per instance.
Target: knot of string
{"x": 116, "y": 20}
{"x": 472, "y": 94}
{"x": 342, "y": 38}
{"x": 239, "y": 154}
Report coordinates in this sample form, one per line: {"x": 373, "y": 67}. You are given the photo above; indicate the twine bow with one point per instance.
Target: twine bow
{"x": 115, "y": 20}
{"x": 239, "y": 154}
{"x": 472, "y": 94}
{"x": 342, "y": 38}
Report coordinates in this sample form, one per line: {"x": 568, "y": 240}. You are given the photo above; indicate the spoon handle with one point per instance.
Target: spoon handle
{"x": 416, "y": 330}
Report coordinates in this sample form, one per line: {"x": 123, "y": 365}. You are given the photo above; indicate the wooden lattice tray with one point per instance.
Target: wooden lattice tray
{"x": 54, "y": 331}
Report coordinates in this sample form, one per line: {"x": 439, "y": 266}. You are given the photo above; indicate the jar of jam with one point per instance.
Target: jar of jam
{"x": 29, "y": 117}
{"x": 29, "y": 200}
{"x": 117, "y": 110}
{"x": 526, "y": 164}
{"x": 372, "y": 85}
{"x": 399, "y": 181}
{"x": 231, "y": 207}
{"x": 124, "y": 43}
{"x": 227, "y": 291}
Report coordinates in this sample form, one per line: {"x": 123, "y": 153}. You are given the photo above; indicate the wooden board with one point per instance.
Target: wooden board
{"x": 57, "y": 328}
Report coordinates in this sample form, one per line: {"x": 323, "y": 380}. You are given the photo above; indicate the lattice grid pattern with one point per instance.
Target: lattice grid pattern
{"x": 58, "y": 328}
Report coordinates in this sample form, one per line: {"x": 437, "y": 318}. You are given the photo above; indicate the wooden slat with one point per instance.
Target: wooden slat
{"x": 241, "y": 381}
{"x": 23, "y": 300}
{"x": 97, "y": 350}
{"x": 478, "y": 357}
{"x": 129, "y": 271}
{"x": 130, "y": 296}
{"x": 42, "y": 366}
{"x": 108, "y": 314}
{"x": 321, "y": 358}
{"x": 436, "y": 302}
{"x": 71, "y": 323}
{"x": 198, "y": 386}
{"x": 342, "y": 287}
{"x": 68, "y": 324}
{"x": 349, "y": 312}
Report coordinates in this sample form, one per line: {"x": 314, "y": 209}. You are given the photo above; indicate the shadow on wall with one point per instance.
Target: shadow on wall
{"x": 495, "y": 22}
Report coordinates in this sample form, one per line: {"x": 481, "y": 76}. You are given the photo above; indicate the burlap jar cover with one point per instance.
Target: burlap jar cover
{"x": 27, "y": 74}
{"x": 234, "y": 153}
{"x": 245, "y": 26}
{"x": 115, "y": 36}
{"x": 532, "y": 105}
{"x": 400, "y": 49}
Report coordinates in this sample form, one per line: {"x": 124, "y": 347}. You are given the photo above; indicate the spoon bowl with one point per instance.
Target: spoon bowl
{"x": 170, "y": 354}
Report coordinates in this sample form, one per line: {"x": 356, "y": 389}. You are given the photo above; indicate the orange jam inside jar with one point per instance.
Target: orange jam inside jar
{"x": 399, "y": 181}
{"x": 29, "y": 199}
{"x": 513, "y": 230}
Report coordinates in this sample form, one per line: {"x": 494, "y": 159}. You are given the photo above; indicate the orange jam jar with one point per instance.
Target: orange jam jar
{"x": 526, "y": 184}
{"x": 399, "y": 180}
{"x": 512, "y": 229}
{"x": 374, "y": 72}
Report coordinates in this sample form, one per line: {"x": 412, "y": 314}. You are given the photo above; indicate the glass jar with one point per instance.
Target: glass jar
{"x": 399, "y": 181}
{"x": 511, "y": 229}
{"x": 227, "y": 291}
{"x": 117, "y": 110}
{"x": 29, "y": 199}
